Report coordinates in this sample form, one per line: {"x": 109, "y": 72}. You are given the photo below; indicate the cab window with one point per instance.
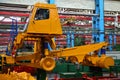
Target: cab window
{"x": 42, "y": 14}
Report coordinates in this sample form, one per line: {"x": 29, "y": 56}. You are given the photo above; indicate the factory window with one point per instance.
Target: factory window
{"x": 42, "y": 14}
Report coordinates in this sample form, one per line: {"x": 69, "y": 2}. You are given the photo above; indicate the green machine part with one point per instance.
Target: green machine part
{"x": 71, "y": 70}
{"x": 117, "y": 47}
{"x": 79, "y": 41}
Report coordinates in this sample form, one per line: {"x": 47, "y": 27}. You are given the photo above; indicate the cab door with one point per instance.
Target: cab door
{"x": 40, "y": 22}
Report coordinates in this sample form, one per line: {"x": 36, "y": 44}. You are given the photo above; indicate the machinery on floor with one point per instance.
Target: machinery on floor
{"x": 43, "y": 25}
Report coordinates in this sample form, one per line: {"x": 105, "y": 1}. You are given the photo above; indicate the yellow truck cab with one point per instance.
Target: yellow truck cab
{"x": 44, "y": 20}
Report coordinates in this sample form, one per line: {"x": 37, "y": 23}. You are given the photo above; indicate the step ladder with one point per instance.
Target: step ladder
{"x": 13, "y": 34}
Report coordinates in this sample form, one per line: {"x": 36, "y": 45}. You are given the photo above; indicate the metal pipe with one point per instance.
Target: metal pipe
{"x": 20, "y": 14}
{"x": 77, "y": 13}
{"x": 3, "y": 8}
{"x": 25, "y": 26}
{"x": 101, "y": 20}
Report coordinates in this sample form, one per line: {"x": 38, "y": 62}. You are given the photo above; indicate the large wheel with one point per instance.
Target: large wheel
{"x": 47, "y": 63}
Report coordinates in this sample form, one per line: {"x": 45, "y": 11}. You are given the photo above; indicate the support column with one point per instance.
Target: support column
{"x": 98, "y": 22}
{"x": 101, "y": 20}
{"x": 95, "y": 33}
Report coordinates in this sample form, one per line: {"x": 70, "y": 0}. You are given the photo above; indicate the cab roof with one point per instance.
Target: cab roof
{"x": 43, "y": 5}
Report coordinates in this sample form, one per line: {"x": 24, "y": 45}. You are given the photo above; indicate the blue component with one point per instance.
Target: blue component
{"x": 72, "y": 39}
{"x": 94, "y": 29}
{"x": 101, "y": 20}
{"x": 95, "y": 25}
{"x": 68, "y": 40}
{"x": 98, "y": 22}
{"x": 110, "y": 42}
{"x": 103, "y": 51}
{"x": 51, "y": 1}
{"x": 47, "y": 46}
{"x": 114, "y": 39}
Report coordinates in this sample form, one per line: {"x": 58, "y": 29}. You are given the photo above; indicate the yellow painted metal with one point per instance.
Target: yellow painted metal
{"x": 79, "y": 51}
{"x": 46, "y": 52}
{"x": 102, "y": 61}
{"x": 27, "y": 57}
{"x": 47, "y": 63}
{"x": 37, "y": 29}
{"x": 105, "y": 61}
{"x": 37, "y": 46}
{"x": 10, "y": 60}
{"x": 53, "y": 44}
{"x": 45, "y": 30}
{"x": 78, "y": 54}
{"x": 46, "y": 26}
{"x": 73, "y": 59}
{"x": 16, "y": 76}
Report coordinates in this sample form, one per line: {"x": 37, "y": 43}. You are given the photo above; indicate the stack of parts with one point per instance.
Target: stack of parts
{"x": 16, "y": 76}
